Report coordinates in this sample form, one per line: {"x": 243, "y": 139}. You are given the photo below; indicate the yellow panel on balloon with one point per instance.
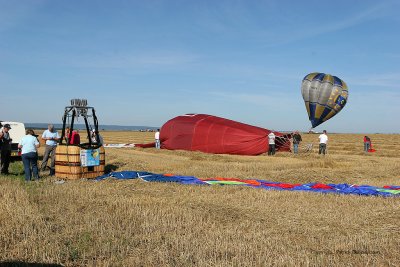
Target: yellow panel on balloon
{"x": 318, "y": 111}
{"x": 328, "y": 78}
{"x": 330, "y": 115}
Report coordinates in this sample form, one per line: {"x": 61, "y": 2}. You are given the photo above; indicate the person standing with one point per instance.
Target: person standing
{"x": 5, "y": 145}
{"x": 67, "y": 136}
{"x": 296, "y": 141}
{"x": 367, "y": 144}
{"x": 323, "y": 140}
{"x": 29, "y": 145}
{"x": 271, "y": 144}
{"x": 51, "y": 137}
{"x": 94, "y": 137}
{"x": 157, "y": 138}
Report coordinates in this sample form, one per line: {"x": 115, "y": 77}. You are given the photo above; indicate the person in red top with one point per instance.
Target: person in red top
{"x": 75, "y": 138}
{"x": 72, "y": 138}
{"x": 367, "y": 144}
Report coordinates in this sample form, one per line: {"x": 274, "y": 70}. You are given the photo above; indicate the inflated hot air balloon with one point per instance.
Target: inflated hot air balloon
{"x": 324, "y": 95}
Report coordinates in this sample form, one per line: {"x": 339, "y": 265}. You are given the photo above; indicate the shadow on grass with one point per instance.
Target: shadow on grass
{"x": 110, "y": 168}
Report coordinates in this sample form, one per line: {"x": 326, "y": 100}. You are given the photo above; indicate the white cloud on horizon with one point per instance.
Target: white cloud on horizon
{"x": 239, "y": 20}
{"x": 128, "y": 60}
{"x": 389, "y": 80}
{"x": 137, "y": 60}
{"x": 273, "y": 100}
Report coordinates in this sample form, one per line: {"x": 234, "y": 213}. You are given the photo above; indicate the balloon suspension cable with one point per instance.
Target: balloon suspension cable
{"x": 284, "y": 141}
{"x": 307, "y": 147}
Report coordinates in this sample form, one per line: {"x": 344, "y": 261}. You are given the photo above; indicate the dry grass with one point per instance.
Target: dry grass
{"x": 132, "y": 223}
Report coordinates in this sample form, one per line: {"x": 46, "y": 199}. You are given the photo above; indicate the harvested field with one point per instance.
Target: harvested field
{"x": 133, "y": 223}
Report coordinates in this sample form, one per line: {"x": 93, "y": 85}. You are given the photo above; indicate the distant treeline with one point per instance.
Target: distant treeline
{"x": 42, "y": 126}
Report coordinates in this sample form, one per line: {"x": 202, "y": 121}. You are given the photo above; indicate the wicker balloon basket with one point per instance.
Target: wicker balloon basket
{"x": 69, "y": 163}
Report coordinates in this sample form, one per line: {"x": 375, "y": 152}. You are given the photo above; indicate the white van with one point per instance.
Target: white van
{"x": 17, "y": 131}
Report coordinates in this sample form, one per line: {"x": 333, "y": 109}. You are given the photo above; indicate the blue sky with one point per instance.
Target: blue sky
{"x": 145, "y": 62}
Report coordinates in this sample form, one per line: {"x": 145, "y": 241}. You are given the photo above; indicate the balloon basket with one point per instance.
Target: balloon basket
{"x": 70, "y": 162}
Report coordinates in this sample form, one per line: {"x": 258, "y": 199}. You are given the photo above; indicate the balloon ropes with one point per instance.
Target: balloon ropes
{"x": 324, "y": 96}
{"x": 78, "y": 109}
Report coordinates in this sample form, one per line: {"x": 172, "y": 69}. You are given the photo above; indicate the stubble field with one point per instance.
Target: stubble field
{"x": 134, "y": 223}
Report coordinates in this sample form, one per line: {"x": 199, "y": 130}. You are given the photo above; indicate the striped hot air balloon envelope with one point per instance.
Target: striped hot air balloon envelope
{"x": 324, "y": 96}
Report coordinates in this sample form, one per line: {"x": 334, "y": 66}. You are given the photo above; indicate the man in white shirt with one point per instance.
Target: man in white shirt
{"x": 323, "y": 140}
{"x": 157, "y": 138}
{"x": 271, "y": 143}
{"x": 51, "y": 137}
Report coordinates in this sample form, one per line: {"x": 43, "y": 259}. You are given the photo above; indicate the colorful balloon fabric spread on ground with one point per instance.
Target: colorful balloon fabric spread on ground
{"x": 365, "y": 190}
{"x": 324, "y": 96}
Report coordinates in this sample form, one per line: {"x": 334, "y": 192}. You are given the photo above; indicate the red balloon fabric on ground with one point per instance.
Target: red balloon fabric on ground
{"x": 211, "y": 134}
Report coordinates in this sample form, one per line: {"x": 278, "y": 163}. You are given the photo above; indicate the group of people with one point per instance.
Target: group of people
{"x": 323, "y": 141}
{"x": 29, "y": 145}
{"x": 73, "y": 138}
{"x": 296, "y": 139}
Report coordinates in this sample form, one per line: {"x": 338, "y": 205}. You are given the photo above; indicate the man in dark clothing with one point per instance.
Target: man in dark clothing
{"x": 5, "y": 145}
{"x": 296, "y": 141}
